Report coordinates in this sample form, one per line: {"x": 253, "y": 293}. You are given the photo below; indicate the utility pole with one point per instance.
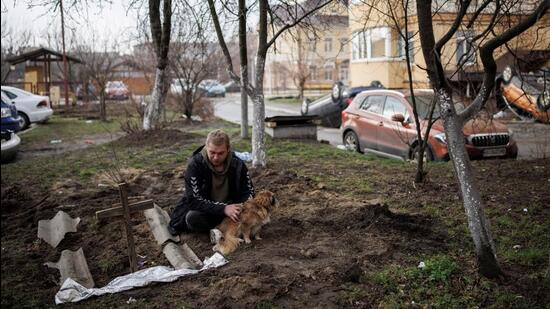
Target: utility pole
{"x": 65, "y": 64}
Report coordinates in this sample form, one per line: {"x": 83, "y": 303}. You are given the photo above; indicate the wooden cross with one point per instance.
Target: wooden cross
{"x": 124, "y": 209}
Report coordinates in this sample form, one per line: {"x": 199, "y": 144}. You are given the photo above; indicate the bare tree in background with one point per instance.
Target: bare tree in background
{"x": 300, "y": 62}
{"x": 160, "y": 35}
{"x": 100, "y": 62}
{"x": 13, "y": 43}
{"x": 287, "y": 14}
{"x": 192, "y": 56}
{"x": 505, "y": 24}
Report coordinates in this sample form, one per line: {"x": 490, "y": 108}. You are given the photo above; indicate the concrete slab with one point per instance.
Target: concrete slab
{"x": 306, "y": 131}
{"x": 54, "y": 230}
{"x": 181, "y": 256}
{"x": 158, "y": 220}
{"x": 72, "y": 264}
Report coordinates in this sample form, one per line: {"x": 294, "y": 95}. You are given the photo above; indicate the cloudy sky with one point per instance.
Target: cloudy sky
{"x": 110, "y": 20}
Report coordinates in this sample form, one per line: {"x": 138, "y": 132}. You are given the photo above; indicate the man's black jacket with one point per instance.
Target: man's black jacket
{"x": 198, "y": 184}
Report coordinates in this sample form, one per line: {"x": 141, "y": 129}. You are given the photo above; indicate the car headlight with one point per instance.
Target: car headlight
{"x": 507, "y": 74}
{"x": 510, "y": 133}
{"x": 441, "y": 138}
{"x": 6, "y": 112}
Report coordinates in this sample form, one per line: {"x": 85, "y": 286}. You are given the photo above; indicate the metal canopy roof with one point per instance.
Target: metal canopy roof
{"x": 41, "y": 54}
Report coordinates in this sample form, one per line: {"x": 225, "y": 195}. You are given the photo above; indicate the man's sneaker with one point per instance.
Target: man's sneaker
{"x": 215, "y": 236}
{"x": 172, "y": 231}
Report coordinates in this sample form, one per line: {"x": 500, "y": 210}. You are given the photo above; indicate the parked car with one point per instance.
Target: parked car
{"x": 212, "y": 88}
{"x": 176, "y": 85}
{"x": 232, "y": 87}
{"x": 382, "y": 121}
{"x": 9, "y": 125}
{"x": 90, "y": 94}
{"x": 30, "y": 107}
{"x": 528, "y": 96}
{"x": 329, "y": 107}
{"x": 116, "y": 90}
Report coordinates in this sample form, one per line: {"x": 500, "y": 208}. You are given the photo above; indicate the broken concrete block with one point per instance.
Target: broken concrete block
{"x": 158, "y": 220}
{"x": 72, "y": 264}
{"x": 181, "y": 256}
{"x": 54, "y": 230}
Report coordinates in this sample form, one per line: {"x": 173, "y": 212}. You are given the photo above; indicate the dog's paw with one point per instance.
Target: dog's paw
{"x": 247, "y": 240}
{"x": 257, "y": 237}
{"x": 215, "y": 236}
{"x": 240, "y": 240}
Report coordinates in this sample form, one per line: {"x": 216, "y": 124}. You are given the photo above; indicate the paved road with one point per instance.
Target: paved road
{"x": 229, "y": 108}
{"x": 533, "y": 138}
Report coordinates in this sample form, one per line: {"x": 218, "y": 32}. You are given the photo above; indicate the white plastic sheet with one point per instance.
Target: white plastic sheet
{"x": 71, "y": 291}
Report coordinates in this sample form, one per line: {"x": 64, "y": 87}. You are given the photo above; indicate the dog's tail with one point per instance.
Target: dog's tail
{"x": 227, "y": 244}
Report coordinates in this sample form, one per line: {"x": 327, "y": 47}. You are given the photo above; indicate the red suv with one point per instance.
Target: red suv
{"x": 367, "y": 125}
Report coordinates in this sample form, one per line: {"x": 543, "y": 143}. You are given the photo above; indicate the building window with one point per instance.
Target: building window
{"x": 401, "y": 46}
{"x": 465, "y": 51}
{"x": 313, "y": 72}
{"x": 328, "y": 73}
{"x": 343, "y": 73}
{"x": 371, "y": 44}
{"x": 312, "y": 46}
{"x": 343, "y": 42}
{"x": 328, "y": 45}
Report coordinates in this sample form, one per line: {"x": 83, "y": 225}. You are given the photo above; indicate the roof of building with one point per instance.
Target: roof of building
{"x": 41, "y": 54}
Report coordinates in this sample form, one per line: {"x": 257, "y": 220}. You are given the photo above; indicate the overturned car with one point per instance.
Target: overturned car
{"x": 526, "y": 95}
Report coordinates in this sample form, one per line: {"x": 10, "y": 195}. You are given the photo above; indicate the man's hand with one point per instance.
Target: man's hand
{"x": 233, "y": 211}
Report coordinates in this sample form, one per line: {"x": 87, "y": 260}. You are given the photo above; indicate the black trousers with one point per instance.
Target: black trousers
{"x": 197, "y": 221}
{"x": 192, "y": 221}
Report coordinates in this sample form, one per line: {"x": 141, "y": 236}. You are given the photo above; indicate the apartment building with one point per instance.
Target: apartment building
{"x": 378, "y": 45}
{"x": 312, "y": 56}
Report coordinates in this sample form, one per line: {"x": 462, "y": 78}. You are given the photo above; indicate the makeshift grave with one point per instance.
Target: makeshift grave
{"x": 125, "y": 210}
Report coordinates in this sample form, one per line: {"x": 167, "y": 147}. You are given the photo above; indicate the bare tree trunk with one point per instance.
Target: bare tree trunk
{"x": 153, "y": 109}
{"x": 160, "y": 33}
{"x": 243, "y": 52}
{"x": 102, "y": 106}
{"x": 258, "y": 133}
{"x": 477, "y": 222}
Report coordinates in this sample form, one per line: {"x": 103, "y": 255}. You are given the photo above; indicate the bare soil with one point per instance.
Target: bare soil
{"x": 319, "y": 242}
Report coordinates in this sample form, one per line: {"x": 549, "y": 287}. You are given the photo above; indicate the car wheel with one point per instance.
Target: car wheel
{"x": 428, "y": 156}
{"x": 305, "y": 107}
{"x": 337, "y": 90}
{"x": 351, "y": 141}
{"x": 24, "y": 121}
{"x": 543, "y": 101}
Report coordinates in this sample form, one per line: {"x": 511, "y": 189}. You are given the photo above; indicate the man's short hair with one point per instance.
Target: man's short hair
{"x": 217, "y": 138}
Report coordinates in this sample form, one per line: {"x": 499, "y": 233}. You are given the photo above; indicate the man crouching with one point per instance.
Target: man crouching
{"x": 216, "y": 182}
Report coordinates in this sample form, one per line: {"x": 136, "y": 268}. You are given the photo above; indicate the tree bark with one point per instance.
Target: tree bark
{"x": 258, "y": 125}
{"x": 477, "y": 222}
{"x": 154, "y": 108}
{"x": 102, "y": 106}
{"x": 243, "y": 52}
{"x": 160, "y": 34}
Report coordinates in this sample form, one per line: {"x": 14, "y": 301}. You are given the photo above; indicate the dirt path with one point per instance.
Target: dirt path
{"x": 55, "y": 147}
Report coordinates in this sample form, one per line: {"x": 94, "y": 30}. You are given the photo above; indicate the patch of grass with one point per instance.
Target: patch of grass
{"x": 352, "y": 296}
{"x": 429, "y": 286}
{"x": 61, "y": 128}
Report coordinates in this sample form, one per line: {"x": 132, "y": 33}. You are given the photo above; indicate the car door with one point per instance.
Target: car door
{"x": 369, "y": 120}
{"x": 393, "y": 136}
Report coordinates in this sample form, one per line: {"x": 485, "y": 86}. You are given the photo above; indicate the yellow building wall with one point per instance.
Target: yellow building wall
{"x": 393, "y": 73}
{"x": 33, "y": 76}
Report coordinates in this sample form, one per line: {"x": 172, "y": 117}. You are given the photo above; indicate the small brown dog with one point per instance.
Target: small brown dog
{"x": 254, "y": 214}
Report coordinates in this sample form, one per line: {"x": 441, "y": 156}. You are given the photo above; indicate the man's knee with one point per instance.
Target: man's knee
{"x": 200, "y": 222}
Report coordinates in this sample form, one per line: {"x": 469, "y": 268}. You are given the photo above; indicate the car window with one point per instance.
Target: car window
{"x": 394, "y": 106}
{"x": 374, "y": 104}
{"x": 9, "y": 94}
